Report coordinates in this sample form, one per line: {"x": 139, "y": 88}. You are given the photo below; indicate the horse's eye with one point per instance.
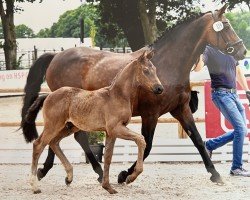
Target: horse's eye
{"x": 146, "y": 71}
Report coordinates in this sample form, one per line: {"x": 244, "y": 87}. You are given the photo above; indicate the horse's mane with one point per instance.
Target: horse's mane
{"x": 183, "y": 21}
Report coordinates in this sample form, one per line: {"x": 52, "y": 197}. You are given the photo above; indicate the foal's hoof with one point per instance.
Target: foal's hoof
{"x": 40, "y": 175}
{"x": 37, "y": 191}
{"x": 122, "y": 177}
{"x": 129, "y": 180}
{"x": 67, "y": 181}
{"x": 216, "y": 178}
{"x": 112, "y": 191}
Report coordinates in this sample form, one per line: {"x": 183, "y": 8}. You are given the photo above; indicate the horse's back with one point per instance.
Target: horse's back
{"x": 85, "y": 68}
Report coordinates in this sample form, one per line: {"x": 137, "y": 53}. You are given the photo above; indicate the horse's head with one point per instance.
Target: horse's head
{"x": 220, "y": 34}
{"x": 146, "y": 74}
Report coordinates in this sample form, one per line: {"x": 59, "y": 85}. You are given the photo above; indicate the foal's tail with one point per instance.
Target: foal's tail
{"x": 28, "y": 124}
{"x": 35, "y": 80}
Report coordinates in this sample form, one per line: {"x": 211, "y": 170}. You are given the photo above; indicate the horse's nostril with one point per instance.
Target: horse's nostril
{"x": 245, "y": 52}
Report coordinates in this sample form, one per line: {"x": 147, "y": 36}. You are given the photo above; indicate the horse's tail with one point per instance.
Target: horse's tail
{"x": 35, "y": 80}
{"x": 28, "y": 124}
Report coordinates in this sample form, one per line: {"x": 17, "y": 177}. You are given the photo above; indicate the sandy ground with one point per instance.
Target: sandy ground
{"x": 158, "y": 181}
{"x": 176, "y": 181}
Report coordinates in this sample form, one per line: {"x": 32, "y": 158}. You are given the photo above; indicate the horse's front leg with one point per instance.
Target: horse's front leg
{"x": 184, "y": 116}
{"x": 109, "y": 147}
{"x": 148, "y": 128}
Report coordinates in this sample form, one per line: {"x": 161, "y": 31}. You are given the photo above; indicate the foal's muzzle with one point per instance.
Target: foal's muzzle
{"x": 158, "y": 89}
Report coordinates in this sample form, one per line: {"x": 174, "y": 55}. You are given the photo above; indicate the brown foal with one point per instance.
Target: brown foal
{"x": 107, "y": 109}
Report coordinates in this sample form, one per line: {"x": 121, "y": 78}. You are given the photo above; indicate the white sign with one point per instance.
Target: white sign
{"x": 13, "y": 78}
{"x": 218, "y": 26}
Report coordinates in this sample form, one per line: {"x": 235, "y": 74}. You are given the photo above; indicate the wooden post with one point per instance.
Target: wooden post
{"x": 181, "y": 133}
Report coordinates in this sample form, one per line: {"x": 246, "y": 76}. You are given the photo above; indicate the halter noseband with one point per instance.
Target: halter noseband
{"x": 229, "y": 46}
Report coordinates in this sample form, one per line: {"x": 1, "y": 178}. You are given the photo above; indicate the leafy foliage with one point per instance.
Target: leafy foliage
{"x": 68, "y": 25}
{"x": 241, "y": 24}
{"x": 96, "y": 137}
{"x": 23, "y": 31}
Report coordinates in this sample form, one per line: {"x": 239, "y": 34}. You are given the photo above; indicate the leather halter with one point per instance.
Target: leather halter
{"x": 229, "y": 46}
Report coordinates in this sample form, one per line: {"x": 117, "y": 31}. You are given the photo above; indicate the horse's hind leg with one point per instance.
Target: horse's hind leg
{"x": 109, "y": 147}
{"x": 48, "y": 164}
{"x": 82, "y": 138}
{"x": 38, "y": 147}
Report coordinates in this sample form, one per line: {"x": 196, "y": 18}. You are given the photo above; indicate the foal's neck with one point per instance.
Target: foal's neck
{"x": 125, "y": 85}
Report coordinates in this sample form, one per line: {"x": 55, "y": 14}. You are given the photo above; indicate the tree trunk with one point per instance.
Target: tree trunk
{"x": 10, "y": 46}
{"x": 130, "y": 23}
{"x": 148, "y": 20}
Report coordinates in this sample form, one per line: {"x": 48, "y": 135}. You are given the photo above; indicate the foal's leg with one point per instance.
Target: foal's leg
{"x": 38, "y": 147}
{"x": 82, "y": 138}
{"x": 148, "y": 128}
{"x": 109, "y": 147}
{"x": 68, "y": 167}
{"x": 126, "y": 134}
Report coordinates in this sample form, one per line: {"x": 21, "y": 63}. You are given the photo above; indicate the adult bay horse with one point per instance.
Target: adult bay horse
{"x": 107, "y": 109}
{"x": 175, "y": 53}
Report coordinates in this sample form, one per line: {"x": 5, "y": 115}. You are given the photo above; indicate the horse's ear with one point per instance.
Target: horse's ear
{"x": 222, "y": 10}
{"x": 150, "y": 54}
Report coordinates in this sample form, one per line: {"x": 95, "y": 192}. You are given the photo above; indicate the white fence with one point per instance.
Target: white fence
{"x": 164, "y": 150}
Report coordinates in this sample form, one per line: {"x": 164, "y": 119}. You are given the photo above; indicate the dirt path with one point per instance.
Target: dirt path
{"x": 158, "y": 181}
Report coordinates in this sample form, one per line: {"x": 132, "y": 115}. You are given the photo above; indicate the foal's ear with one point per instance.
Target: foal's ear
{"x": 142, "y": 56}
{"x": 222, "y": 10}
{"x": 150, "y": 54}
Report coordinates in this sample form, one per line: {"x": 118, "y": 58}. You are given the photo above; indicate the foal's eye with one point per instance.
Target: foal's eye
{"x": 146, "y": 71}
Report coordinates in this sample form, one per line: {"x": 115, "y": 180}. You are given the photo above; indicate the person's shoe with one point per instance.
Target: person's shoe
{"x": 208, "y": 151}
{"x": 240, "y": 172}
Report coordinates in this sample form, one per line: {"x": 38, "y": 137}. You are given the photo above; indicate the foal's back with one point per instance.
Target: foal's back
{"x": 85, "y": 109}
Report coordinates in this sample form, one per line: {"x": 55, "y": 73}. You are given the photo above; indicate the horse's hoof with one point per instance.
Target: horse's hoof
{"x": 67, "y": 181}
{"x": 99, "y": 179}
{"x": 37, "y": 191}
{"x": 217, "y": 179}
{"x": 39, "y": 174}
{"x": 122, "y": 177}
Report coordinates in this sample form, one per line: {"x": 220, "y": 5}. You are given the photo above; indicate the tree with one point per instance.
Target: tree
{"x": 142, "y": 21}
{"x": 23, "y": 31}
{"x": 7, "y": 10}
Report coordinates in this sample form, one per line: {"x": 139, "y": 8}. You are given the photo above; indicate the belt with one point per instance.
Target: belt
{"x": 232, "y": 90}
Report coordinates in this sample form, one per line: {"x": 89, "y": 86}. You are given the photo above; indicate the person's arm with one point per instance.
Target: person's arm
{"x": 200, "y": 64}
{"x": 241, "y": 78}
{"x": 242, "y": 81}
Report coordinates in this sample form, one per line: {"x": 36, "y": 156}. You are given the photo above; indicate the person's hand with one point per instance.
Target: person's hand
{"x": 248, "y": 96}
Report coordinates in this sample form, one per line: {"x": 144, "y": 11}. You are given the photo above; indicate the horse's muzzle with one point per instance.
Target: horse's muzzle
{"x": 158, "y": 89}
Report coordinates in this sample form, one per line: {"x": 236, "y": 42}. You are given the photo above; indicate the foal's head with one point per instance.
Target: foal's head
{"x": 221, "y": 34}
{"x": 146, "y": 74}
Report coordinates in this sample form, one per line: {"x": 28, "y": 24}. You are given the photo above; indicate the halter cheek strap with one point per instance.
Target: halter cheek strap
{"x": 218, "y": 27}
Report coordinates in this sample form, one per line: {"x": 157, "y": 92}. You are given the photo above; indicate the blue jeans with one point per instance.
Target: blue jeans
{"x": 233, "y": 110}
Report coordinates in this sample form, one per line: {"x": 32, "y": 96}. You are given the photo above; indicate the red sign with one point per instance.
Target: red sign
{"x": 216, "y": 124}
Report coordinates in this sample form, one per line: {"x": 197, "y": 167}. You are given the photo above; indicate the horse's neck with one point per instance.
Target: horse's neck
{"x": 125, "y": 84}
{"x": 174, "y": 58}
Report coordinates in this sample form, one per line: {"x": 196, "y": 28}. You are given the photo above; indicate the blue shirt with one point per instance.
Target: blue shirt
{"x": 221, "y": 67}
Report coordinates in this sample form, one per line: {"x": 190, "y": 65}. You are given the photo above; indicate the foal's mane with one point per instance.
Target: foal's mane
{"x": 121, "y": 70}
{"x": 181, "y": 22}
